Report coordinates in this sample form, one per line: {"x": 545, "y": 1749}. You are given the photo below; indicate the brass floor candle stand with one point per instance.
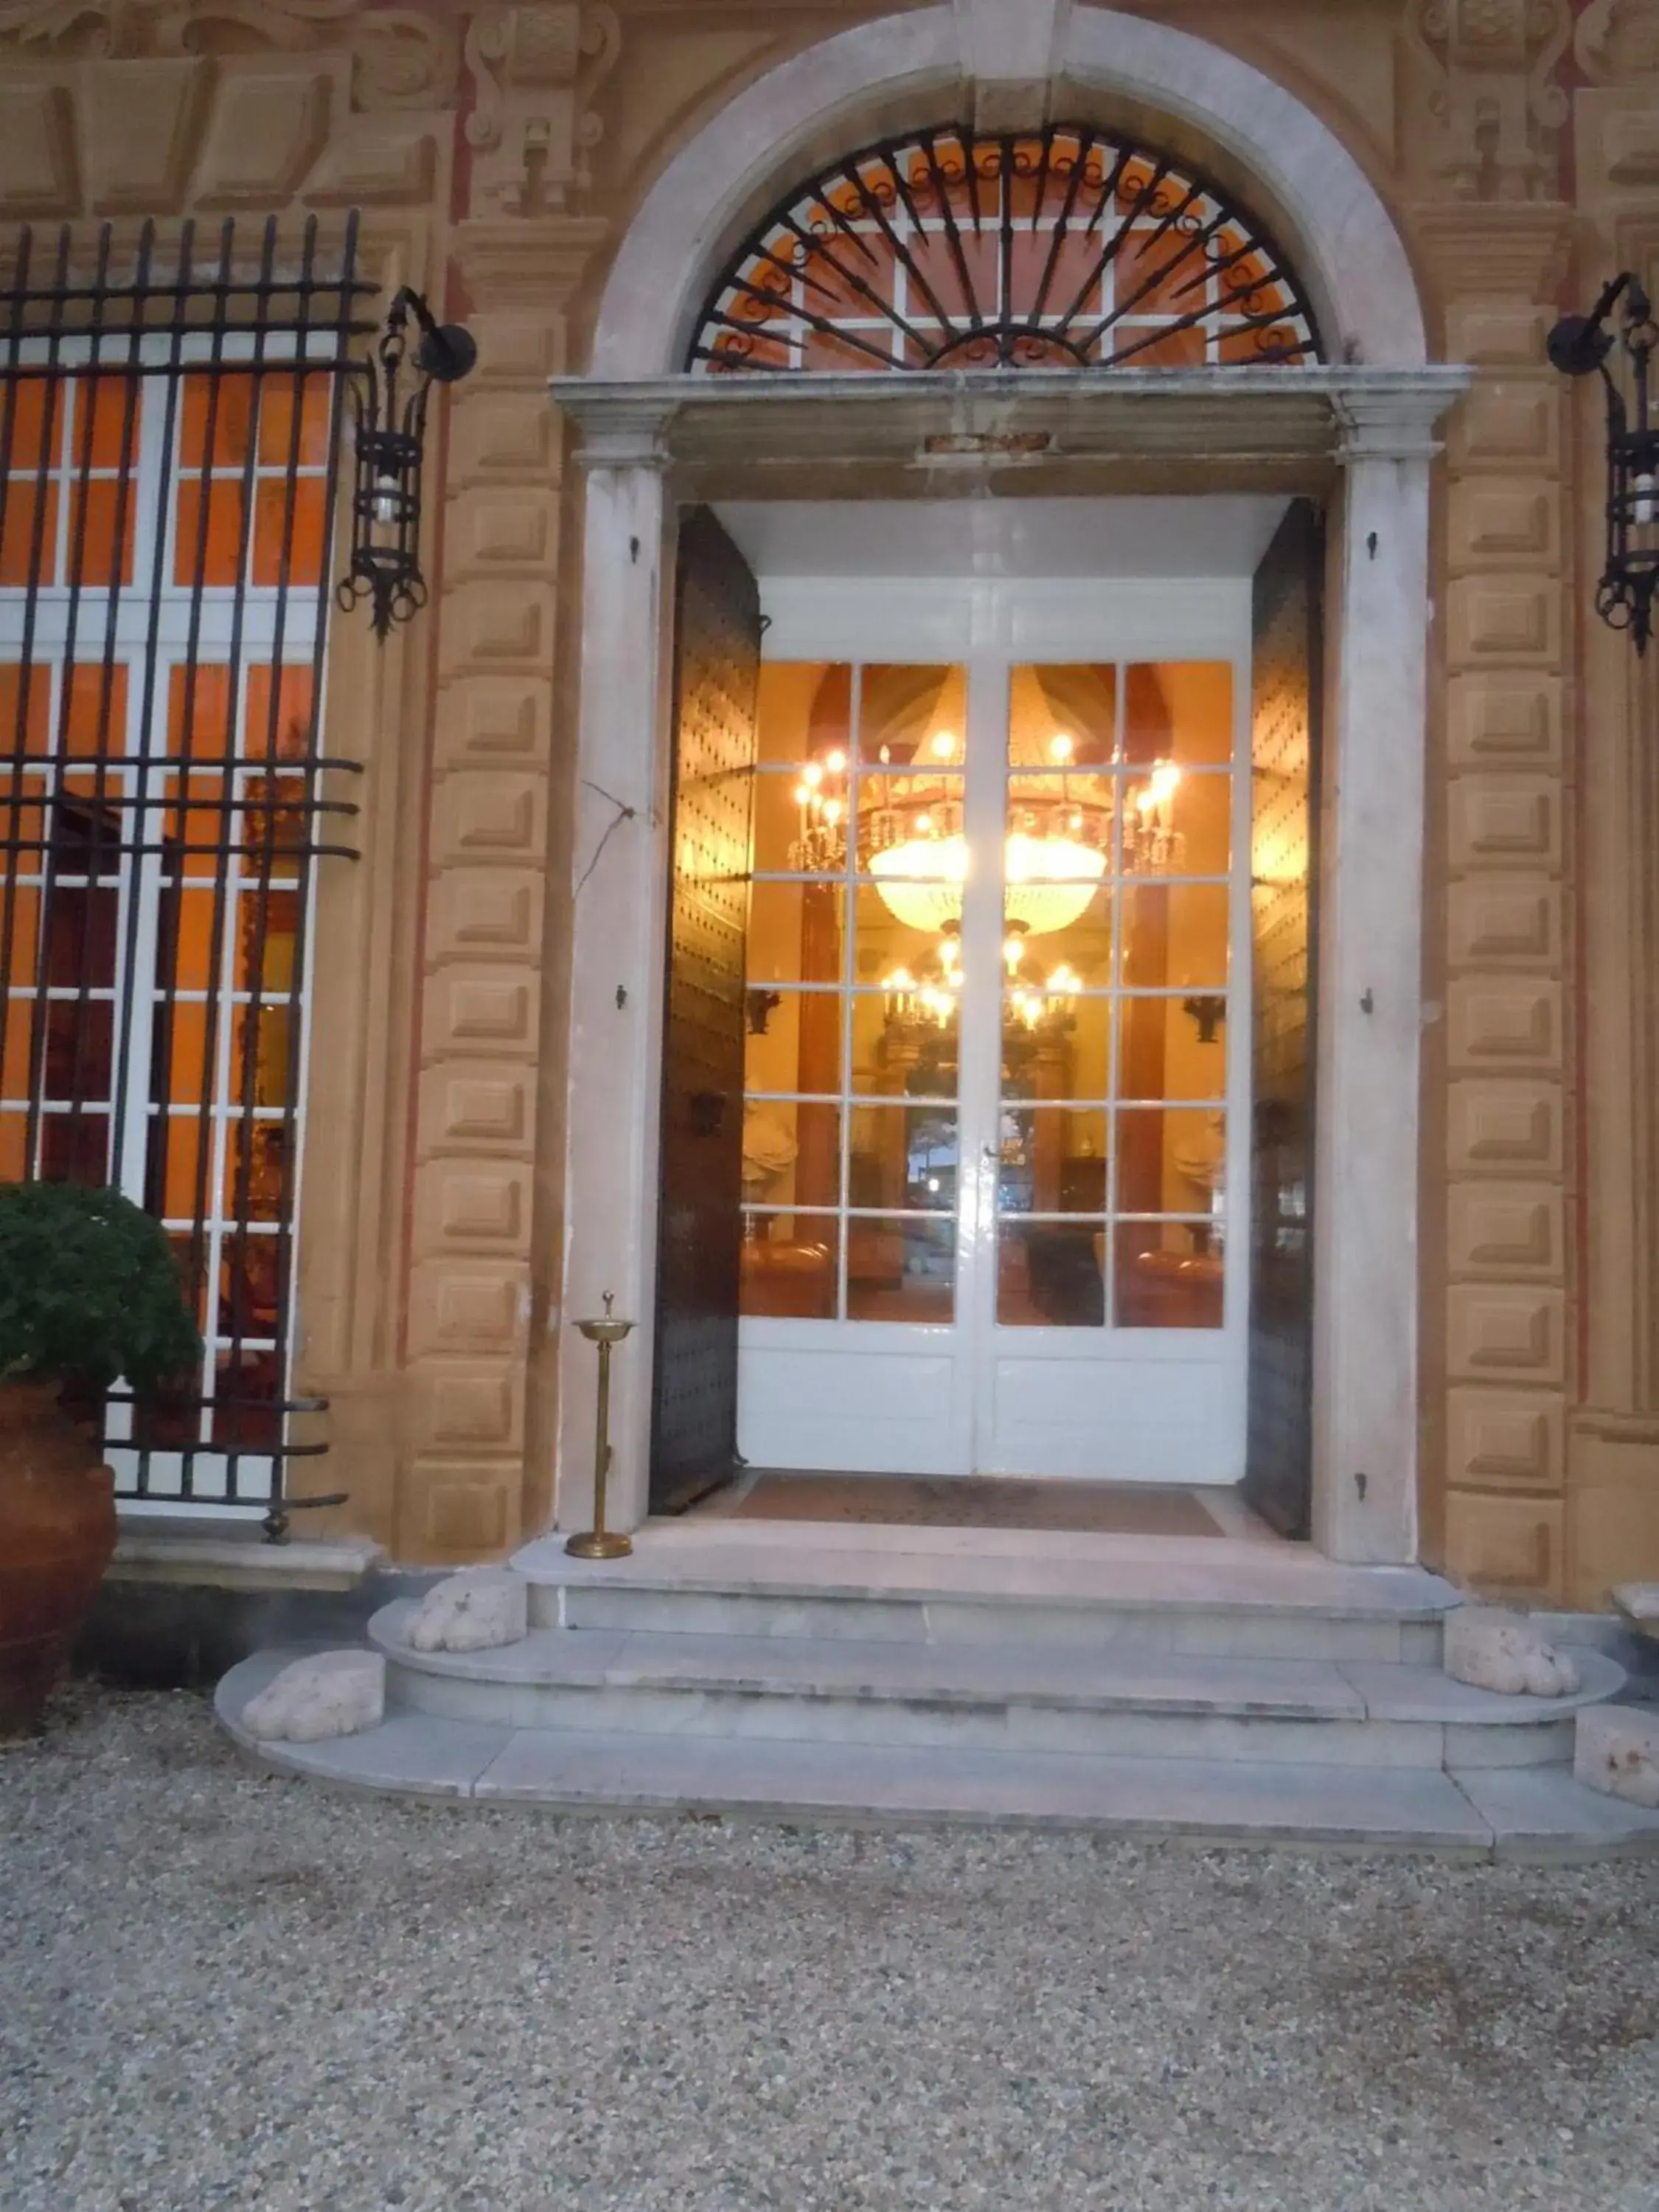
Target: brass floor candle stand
{"x": 599, "y": 1542}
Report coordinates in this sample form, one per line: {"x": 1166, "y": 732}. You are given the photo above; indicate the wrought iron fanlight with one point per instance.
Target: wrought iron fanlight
{"x": 389, "y": 435}
{"x": 1582, "y": 345}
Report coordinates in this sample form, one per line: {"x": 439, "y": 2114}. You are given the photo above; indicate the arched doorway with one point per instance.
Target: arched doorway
{"x": 1212, "y": 424}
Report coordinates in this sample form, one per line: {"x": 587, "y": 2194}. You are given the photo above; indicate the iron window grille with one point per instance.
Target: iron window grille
{"x": 1070, "y": 248}
{"x": 170, "y": 424}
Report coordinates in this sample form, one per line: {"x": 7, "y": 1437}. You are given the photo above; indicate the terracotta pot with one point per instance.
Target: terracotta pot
{"x": 56, "y": 1532}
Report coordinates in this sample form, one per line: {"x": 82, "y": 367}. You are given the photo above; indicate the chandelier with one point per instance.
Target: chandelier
{"x": 906, "y": 831}
{"x": 932, "y": 995}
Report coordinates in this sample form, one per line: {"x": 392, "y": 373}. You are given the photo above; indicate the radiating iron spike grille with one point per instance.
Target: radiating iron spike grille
{"x": 170, "y": 421}
{"x": 1067, "y": 248}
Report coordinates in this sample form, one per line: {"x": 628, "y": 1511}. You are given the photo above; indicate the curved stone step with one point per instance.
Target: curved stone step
{"x": 1529, "y": 1813}
{"x": 1000, "y": 1698}
{"x": 1273, "y": 1603}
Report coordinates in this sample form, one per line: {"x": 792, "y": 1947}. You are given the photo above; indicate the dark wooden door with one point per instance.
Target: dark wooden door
{"x": 1284, "y": 700}
{"x": 716, "y": 673}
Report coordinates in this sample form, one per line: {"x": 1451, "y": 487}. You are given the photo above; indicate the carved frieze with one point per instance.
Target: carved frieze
{"x": 533, "y": 127}
{"x": 1496, "y": 110}
{"x": 400, "y": 57}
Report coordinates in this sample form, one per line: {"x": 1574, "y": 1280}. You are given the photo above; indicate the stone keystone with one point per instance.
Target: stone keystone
{"x": 1616, "y": 1751}
{"x": 473, "y": 1611}
{"x": 335, "y": 1693}
{"x": 1502, "y": 1651}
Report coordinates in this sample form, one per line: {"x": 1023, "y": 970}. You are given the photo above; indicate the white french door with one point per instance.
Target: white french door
{"x": 996, "y": 1142}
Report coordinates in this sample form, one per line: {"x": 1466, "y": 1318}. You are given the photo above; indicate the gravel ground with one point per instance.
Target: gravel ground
{"x": 221, "y": 1989}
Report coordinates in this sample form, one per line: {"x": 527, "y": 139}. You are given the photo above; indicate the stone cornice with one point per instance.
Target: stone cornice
{"x": 526, "y": 261}
{"x": 1257, "y": 416}
{"x": 1516, "y": 248}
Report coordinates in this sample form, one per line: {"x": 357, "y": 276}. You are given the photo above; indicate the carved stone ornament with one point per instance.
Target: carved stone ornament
{"x": 400, "y": 57}
{"x": 1496, "y": 104}
{"x": 537, "y": 67}
{"x": 1618, "y": 39}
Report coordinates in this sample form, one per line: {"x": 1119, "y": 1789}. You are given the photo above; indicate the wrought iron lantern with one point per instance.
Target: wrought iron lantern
{"x": 1582, "y": 345}
{"x": 389, "y": 401}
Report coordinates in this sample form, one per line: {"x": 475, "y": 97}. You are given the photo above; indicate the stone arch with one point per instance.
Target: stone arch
{"x": 1299, "y": 173}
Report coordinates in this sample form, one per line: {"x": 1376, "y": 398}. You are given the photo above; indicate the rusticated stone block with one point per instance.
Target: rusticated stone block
{"x": 1505, "y": 1439}
{"x": 1504, "y": 1329}
{"x": 1504, "y": 1022}
{"x": 1504, "y": 1126}
{"x": 1497, "y": 1542}
{"x": 1504, "y": 719}
{"x": 1504, "y": 822}
{"x": 1504, "y": 1228}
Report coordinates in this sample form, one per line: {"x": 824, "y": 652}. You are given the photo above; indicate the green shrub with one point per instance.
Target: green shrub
{"x": 90, "y": 1289}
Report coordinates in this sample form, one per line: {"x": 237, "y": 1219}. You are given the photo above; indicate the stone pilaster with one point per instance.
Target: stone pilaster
{"x": 1497, "y": 1193}
{"x": 475, "y": 1289}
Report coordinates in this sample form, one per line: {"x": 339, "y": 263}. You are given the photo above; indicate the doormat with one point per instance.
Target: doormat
{"x": 1091, "y": 1509}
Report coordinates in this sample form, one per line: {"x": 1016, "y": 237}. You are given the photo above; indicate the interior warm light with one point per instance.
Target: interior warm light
{"x": 943, "y": 744}
{"x": 1049, "y": 881}
{"x": 1060, "y": 746}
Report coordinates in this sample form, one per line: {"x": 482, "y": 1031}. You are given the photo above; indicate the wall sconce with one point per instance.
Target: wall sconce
{"x": 761, "y": 1005}
{"x": 1582, "y": 345}
{"x": 1207, "y": 1011}
{"x": 389, "y": 434}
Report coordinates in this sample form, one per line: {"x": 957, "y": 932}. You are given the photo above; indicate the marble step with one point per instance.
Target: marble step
{"x": 1537, "y": 1813}
{"x": 995, "y": 1698}
{"x": 1268, "y": 1603}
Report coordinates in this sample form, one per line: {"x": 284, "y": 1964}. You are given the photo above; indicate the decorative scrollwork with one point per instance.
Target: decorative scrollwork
{"x": 1066, "y": 247}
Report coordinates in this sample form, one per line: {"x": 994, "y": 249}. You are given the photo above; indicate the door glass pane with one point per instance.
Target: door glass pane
{"x": 790, "y": 1265}
{"x": 858, "y": 818}
{"x": 1160, "y": 1280}
{"x": 1114, "y": 1004}
{"x": 899, "y": 1268}
{"x": 791, "y": 1152}
{"x": 1055, "y": 1045}
{"x": 903, "y": 1156}
{"x": 1048, "y": 1274}
{"x": 1170, "y": 1159}
{"x": 792, "y": 1042}
{"x": 1052, "y": 1159}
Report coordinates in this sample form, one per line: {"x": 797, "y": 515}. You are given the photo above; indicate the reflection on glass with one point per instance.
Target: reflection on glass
{"x": 1071, "y": 935}
{"x": 902, "y": 1049}
{"x": 1052, "y": 1159}
{"x": 803, "y": 710}
{"x": 791, "y": 1152}
{"x": 912, "y": 716}
{"x": 1180, "y": 711}
{"x": 1062, "y": 715}
{"x": 1054, "y": 1044}
{"x": 900, "y": 1269}
{"x": 793, "y": 1041}
{"x": 1167, "y": 1048}
{"x": 795, "y": 932}
{"x": 1160, "y": 1280}
{"x": 1172, "y": 1160}
{"x": 1175, "y": 936}
{"x": 903, "y": 1157}
{"x": 1048, "y": 1274}
{"x": 1176, "y": 821}
{"x": 789, "y": 1265}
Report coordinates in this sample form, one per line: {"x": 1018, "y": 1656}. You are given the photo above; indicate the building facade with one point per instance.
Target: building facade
{"x": 845, "y": 358}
